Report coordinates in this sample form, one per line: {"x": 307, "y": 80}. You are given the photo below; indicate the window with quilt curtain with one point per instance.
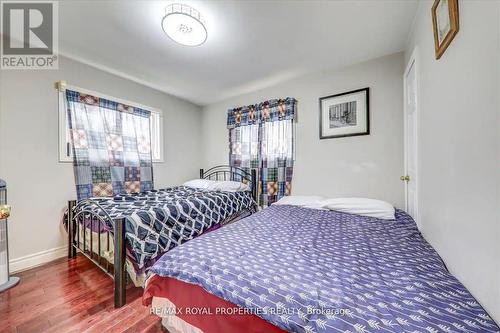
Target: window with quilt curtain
{"x": 262, "y": 137}
{"x": 111, "y": 144}
{"x": 65, "y": 148}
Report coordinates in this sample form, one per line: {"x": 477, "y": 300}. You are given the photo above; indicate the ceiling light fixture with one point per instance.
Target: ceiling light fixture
{"x": 184, "y": 25}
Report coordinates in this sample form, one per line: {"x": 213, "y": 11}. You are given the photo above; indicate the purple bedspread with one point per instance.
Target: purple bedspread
{"x": 308, "y": 270}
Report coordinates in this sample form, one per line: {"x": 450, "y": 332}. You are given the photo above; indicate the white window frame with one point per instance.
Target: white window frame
{"x": 156, "y": 125}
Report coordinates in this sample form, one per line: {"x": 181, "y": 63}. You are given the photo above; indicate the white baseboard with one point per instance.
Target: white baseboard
{"x": 37, "y": 259}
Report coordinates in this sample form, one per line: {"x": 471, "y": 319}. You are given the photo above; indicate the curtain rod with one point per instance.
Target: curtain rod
{"x": 60, "y": 85}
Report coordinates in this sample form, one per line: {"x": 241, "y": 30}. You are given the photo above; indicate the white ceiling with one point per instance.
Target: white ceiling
{"x": 251, "y": 44}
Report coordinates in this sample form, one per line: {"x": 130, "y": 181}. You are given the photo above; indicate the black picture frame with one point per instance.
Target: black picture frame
{"x": 367, "y": 101}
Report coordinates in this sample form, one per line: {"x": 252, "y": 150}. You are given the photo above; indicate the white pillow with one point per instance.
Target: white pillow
{"x": 310, "y": 201}
{"x": 199, "y": 183}
{"x": 228, "y": 186}
{"x": 361, "y": 206}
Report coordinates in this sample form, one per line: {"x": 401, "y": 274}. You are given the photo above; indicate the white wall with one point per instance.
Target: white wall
{"x": 39, "y": 186}
{"x": 459, "y": 147}
{"x": 368, "y": 166}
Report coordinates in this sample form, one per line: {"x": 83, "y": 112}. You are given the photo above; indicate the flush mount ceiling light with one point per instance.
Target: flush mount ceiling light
{"x": 184, "y": 25}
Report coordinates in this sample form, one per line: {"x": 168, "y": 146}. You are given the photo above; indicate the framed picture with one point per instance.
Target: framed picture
{"x": 345, "y": 114}
{"x": 445, "y": 24}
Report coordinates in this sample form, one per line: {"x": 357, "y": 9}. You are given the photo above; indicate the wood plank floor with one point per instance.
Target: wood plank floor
{"x": 71, "y": 296}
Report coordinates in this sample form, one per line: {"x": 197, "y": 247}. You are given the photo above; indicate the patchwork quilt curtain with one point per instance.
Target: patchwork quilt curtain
{"x": 111, "y": 146}
{"x": 261, "y": 137}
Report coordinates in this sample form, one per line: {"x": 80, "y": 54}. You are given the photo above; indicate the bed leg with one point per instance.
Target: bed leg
{"x": 120, "y": 276}
{"x": 71, "y": 230}
{"x": 255, "y": 186}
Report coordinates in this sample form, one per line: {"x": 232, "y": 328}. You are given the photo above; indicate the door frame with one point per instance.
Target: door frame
{"x": 412, "y": 61}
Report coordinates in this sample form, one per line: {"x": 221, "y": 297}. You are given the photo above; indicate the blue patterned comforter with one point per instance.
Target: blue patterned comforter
{"x": 159, "y": 220}
{"x": 307, "y": 270}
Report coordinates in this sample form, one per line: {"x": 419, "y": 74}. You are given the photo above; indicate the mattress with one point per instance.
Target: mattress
{"x": 137, "y": 276}
{"x": 307, "y": 270}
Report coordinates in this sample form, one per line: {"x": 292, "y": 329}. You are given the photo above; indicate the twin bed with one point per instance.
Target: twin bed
{"x": 288, "y": 268}
{"x": 125, "y": 234}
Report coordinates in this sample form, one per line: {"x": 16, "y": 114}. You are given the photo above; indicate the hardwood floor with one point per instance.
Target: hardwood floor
{"x": 71, "y": 296}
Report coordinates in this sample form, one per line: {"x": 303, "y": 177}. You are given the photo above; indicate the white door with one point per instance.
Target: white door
{"x": 410, "y": 175}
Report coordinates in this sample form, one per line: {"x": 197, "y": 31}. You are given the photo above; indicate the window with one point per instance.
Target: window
{"x": 278, "y": 140}
{"x": 156, "y": 127}
{"x": 268, "y": 147}
{"x": 268, "y": 141}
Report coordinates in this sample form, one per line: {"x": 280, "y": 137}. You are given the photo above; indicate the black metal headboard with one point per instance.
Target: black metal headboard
{"x": 227, "y": 172}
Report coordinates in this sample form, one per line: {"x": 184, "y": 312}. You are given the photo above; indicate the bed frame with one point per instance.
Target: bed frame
{"x": 88, "y": 217}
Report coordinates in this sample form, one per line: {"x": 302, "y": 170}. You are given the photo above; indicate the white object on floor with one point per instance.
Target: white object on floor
{"x": 6, "y": 282}
{"x": 361, "y": 206}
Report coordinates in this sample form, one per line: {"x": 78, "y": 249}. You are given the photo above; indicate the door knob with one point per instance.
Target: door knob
{"x": 405, "y": 178}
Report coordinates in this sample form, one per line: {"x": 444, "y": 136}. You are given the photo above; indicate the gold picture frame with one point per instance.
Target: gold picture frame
{"x": 445, "y": 24}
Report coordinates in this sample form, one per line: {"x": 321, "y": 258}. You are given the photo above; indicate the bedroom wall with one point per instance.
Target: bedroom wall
{"x": 39, "y": 186}
{"x": 459, "y": 145}
{"x": 368, "y": 166}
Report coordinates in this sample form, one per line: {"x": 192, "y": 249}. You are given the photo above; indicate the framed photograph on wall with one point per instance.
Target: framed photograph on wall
{"x": 346, "y": 114}
{"x": 445, "y": 24}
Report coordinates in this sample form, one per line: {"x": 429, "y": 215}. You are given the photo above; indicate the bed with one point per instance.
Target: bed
{"x": 297, "y": 269}
{"x": 125, "y": 234}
